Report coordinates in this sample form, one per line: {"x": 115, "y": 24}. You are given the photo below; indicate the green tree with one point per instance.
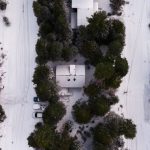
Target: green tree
{"x": 55, "y": 50}
{"x": 115, "y": 48}
{"x": 102, "y": 135}
{"x": 42, "y": 53}
{"x": 99, "y": 105}
{"x": 93, "y": 89}
{"x": 98, "y": 27}
{"x": 82, "y": 113}
{"x": 129, "y": 129}
{"x": 91, "y": 51}
{"x": 69, "y": 52}
{"x": 54, "y": 112}
{"x": 104, "y": 70}
{"x": 47, "y": 91}
{"x": 44, "y": 138}
{"x": 121, "y": 66}
{"x": 41, "y": 73}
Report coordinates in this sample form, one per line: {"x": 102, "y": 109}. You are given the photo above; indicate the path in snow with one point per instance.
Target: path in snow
{"x": 18, "y": 42}
{"x": 136, "y": 103}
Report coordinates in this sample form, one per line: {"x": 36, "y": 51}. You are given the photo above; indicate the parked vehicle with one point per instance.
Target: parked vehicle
{"x": 36, "y": 99}
{"x": 37, "y": 115}
{"x": 38, "y": 106}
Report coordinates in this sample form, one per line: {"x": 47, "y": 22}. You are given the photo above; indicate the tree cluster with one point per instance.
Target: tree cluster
{"x": 99, "y": 33}
{"x": 55, "y": 35}
{"x": 45, "y": 87}
{"x": 98, "y": 104}
{"x": 107, "y": 135}
{"x": 47, "y": 138}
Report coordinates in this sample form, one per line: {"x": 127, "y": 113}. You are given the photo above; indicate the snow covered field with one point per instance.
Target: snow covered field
{"x": 18, "y": 42}
{"x": 136, "y": 102}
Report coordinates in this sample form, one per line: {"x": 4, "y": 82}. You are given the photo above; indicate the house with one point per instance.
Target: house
{"x": 81, "y": 10}
{"x": 70, "y": 76}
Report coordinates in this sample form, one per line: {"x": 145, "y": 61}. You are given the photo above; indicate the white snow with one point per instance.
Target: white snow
{"x": 136, "y": 102}
{"x": 18, "y": 42}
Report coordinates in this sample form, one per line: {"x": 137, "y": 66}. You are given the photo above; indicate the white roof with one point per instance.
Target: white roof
{"x": 82, "y": 4}
{"x": 72, "y": 76}
{"x": 83, "y": 14}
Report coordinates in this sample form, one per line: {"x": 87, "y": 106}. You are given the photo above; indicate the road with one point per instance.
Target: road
{"x": 136, "y": 102}
{"x": 18, "y": 42}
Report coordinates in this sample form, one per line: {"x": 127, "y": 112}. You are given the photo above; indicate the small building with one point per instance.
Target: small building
{"x": 81, "y": 10}
{"x": 70, "y": 76}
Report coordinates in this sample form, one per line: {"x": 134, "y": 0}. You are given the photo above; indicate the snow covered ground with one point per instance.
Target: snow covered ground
{"x": 136, "y": 102}
{"x": 18, "y": 42}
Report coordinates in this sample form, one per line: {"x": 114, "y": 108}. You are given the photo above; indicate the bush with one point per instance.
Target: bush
{"x": 116, "y": 5}
{"x": 129, "y": 129}
{"x": 3, "y": 5}
{"x": 6, "y": 21}
{"x": 82, "y": 113}
{"x": 53, "y": 113}
{"x": 2, "y": 114}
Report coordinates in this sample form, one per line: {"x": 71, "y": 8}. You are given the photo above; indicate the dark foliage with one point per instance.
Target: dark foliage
{"x": 53, "y": 113}
{"x": 82, "y": 113}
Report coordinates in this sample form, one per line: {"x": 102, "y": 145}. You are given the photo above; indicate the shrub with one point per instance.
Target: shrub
{"x": 2, "y": 114}
{"x": 3, "y": 5}
{"x": 6, "y": 21}
{"x": 116, "y": 5}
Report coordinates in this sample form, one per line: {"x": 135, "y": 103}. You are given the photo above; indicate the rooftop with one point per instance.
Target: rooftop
{"x": 70, "y": 76}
